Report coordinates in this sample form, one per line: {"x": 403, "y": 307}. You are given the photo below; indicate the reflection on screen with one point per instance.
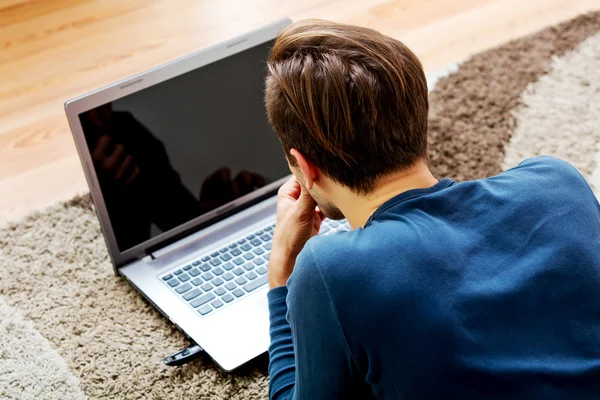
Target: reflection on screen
{"x": 174, "y": 151}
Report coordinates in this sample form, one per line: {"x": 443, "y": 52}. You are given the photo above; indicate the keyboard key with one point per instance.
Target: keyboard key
{"x": 324, "y": 229}
{"x": 205, "y": 267}
{"x": 217, "y": 271}
{"x": 238, "y": 292}
{"x": 236, "y": 252}
{"x": 266, "y": 256}
{"x": 173, "y": 282}
{"x": 217, "y": 281}
{"x": 242, "y": 241}
{"x": 215, "y": 262}
{"x": 192, "y": 295}
{"x": 217, "y": 303}
{"x": 250, "y": 237}
{"x": 268, "y": 246}
{"x": 227, "y": 298}
{"x": 205, "y": 259}
{"x": 167, "y": 277}
{"x": 196, "y": 281}
{"x": 178, "y": 272}
{"x": 204, "y": 310}
{"x": 207, "y": 276}
{"x": 256, "y": 242}
{"x": 269, "y": 228}
{"x": 220, "y": 291}
{"x": 332, "y": 223}
{"x": 233, "y": 245}
{"x": 228, "y": 276}
{"x": 255, "y": 284}
{"x": 215, "y": 254}
{"x": 246, "y": 247}
{"x": 248, "y": 256}
{"x": 183, "y": 288}
{"x": 230, "y": 286}
{"x": 187, "y": 267}
{"x": 184, "y": 277}
{"x": 241, "y": 280}
{"x": 226, "y": 257}
{"x": 196, "y": 263}
{"x": 258, "y": 251}
{"x": 261, "y": 270}
{"x": 238, "y": 261}
{"x": 195, "y": 272}
{"x": 238, "y": 271}
{"x": 248, "y": 266}
{"x": 266, "y": 238}
{"x": 227, "y": 266}
{"x": 207, "y": 287}
{"x": 224, "y": 250}
{"x": 259, "y": 261}
{"x": 251, "y": 275}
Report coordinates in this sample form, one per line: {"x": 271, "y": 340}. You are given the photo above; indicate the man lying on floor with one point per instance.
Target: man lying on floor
{"x": 442, "y": 290}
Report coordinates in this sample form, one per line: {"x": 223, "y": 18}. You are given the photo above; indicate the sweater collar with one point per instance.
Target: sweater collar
{"x": 409, "y": 194}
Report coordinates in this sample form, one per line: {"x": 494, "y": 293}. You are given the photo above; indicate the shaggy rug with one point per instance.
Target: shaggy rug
{"x": 70, "y": 329}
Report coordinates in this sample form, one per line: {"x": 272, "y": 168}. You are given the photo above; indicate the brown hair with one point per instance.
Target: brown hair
{"x": 350, "y": 99}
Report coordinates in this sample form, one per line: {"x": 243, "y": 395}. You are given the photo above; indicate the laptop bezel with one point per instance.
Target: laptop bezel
{"x": 133, "y": 84}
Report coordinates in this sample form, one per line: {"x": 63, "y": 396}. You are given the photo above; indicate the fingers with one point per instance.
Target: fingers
{"x": 244, "y": 183}
{"x": 217, "y": 186}
{"x": 114, "y": 161}
{"x": 101, "y": 149}
{"x": 317, "y": 223}
{"x": 124, "y": 167}
{"x": 132, "y": 177}
{"x": 320, "y": 214}
{"x": 305, "y": 200}
{"x": 291, "y": 189}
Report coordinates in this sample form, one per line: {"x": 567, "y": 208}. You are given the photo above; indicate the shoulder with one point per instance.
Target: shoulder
{"x": 546, "y": 176}
{"x": 545, "y": 167}
{"x": 325, "y": 262}
{"x": 339, "y": 262}
{"x": 321, "y": 254}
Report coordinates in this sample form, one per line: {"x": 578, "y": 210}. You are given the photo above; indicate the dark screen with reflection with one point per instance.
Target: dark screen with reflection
{"x": 172, "y": 152}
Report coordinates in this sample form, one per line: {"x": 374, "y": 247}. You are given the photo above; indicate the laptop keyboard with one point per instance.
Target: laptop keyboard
{"x": 232, "y": 272}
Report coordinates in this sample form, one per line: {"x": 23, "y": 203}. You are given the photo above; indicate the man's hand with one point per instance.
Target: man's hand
{"x": 114, "y": 162}
{"x": 297, "y": 221}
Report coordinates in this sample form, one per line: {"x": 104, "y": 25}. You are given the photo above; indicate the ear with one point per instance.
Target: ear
{"x": 308, "y": 170}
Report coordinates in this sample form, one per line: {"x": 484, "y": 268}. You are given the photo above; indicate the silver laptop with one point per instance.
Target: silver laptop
{"x": 183, "y": 168}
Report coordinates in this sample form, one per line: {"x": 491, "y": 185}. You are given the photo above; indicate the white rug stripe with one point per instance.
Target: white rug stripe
{"x": 29, "y": 367}
{"x": 560, "y": 113}
{"x": 434, "y": 77}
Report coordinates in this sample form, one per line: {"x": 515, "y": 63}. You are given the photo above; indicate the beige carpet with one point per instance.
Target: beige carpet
{"x": 71, "y": 330}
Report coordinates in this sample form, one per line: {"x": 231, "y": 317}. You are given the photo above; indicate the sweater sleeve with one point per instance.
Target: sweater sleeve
{"x": 282, "y": 371}
{"x": 309, "y": 354}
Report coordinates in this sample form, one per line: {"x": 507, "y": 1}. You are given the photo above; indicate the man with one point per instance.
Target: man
{"x": 442, "y": 290}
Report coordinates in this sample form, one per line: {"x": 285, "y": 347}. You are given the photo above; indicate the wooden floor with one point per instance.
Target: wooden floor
{"x": 53, "y": 50}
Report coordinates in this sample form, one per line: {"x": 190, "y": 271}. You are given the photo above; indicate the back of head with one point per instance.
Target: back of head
{"x": 350, "y": 99}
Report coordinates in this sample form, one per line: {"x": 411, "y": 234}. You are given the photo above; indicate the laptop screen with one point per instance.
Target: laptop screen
{"x": 172, "y": 152}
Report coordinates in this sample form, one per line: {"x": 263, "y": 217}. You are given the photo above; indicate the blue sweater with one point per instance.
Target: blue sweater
{"x": 475, "y": 290}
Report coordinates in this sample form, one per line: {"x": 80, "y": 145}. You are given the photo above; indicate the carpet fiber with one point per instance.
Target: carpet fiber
{"x": 92, "y": 336}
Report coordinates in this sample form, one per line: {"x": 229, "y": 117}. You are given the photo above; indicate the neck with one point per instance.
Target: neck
{"x": 358, "y": 208}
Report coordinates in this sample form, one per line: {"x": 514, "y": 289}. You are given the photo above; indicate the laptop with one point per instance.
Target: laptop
{"x": 183, "y": 169}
